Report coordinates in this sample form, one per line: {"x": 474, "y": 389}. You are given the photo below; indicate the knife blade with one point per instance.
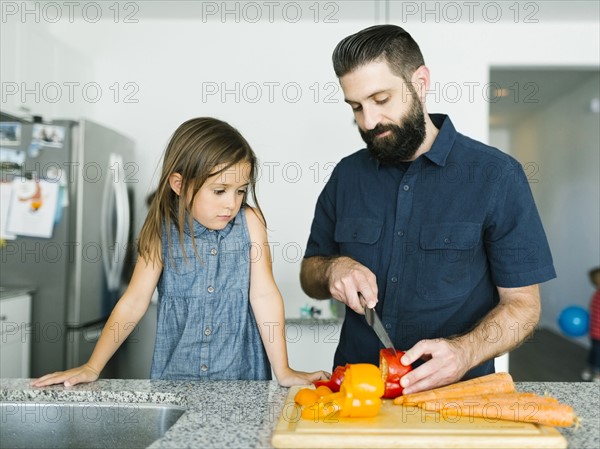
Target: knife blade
{"x": 374, "y": 321}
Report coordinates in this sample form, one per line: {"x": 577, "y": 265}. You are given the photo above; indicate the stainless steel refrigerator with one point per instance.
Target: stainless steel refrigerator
{"x": 79, "y": 272}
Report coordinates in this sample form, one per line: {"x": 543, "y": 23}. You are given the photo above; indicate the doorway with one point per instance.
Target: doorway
{"x": 548, "y": 119}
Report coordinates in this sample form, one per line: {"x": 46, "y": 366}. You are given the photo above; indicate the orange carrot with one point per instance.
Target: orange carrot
{"x": 477, "y": 386}
{"x": 495, "y": 398}
{"x": 427, "y": 395}
{"x": 501, "y": 376}
{"x": 508, "y": 397}
{"x": 532, "y": 409}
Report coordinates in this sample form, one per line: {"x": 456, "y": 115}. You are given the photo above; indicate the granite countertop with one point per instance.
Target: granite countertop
{"x": 243, "y": 414}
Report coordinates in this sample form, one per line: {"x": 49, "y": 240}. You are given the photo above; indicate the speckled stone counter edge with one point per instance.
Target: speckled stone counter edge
{"x": 240, "y": 414}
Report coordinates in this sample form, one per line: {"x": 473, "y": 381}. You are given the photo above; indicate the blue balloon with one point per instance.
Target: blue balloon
{"x": 574, "y": 321}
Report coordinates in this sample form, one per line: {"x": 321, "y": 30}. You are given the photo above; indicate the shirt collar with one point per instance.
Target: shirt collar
{"x": 438, "y": 153}
{"x": 199, "y": 229}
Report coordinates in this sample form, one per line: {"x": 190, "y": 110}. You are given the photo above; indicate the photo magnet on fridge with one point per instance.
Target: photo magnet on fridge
{"x": 49, "y": 135}
{"x": 10, "y": 133}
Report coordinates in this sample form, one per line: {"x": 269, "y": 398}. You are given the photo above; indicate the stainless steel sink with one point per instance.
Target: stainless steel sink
{"x": 84, "y": 424}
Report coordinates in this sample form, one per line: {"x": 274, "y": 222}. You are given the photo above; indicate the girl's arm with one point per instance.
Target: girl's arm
{"x": 267, "y": 305}
{"x": 126, "y": 314}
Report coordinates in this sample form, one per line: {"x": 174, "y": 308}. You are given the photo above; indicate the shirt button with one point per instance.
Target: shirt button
{"x": 406, "y": 187}
{"x": 213, "y": 252}
{"x": 394, "y": 279}
{"x": 447, "y": 240}
{"x": 204, "y": 368}
{"x": 210, "y": 289}
{"x": 400, "y": 233}
{"x": 354, "y": 235}
{"x": 207, "y": 331}
{"x": 388, "y": 326}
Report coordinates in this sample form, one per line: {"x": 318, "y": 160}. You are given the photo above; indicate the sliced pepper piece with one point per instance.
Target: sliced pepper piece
{"x": 323, "y": 390}
{"x": 392, "y": 371}
{"x": 360, "y": 407}
{"x": 362, "y": 389}
{"x": 337, "y": 377}
{"x": 324, "y": 408}
{"x": 392, "y": 390}
{"x": 363, "y": 380}
{"x": 306, "y": 396}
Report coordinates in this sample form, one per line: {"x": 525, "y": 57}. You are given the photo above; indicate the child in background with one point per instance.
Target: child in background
{"x": 220, "y": 313}
{"x": 592, "y": 372}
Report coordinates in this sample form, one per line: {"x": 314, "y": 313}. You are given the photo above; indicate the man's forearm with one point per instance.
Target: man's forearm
{"x": 505, "y": 327}
{"x": 314, "y": 276}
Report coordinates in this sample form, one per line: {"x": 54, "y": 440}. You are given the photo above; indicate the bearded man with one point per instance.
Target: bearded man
{"x": 436, "y": 231}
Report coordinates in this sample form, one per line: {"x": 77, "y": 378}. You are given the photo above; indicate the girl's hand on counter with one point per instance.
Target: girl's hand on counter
{"x": 81, "y": 374}
{"x": 290, "y": 377}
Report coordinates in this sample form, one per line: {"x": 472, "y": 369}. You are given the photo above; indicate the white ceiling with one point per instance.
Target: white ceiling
{"x": 542, "y": 11}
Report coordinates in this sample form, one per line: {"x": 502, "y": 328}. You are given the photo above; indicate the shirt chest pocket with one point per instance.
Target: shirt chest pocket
{"x": 358, "y": 238}
{"x": 180, "y": 275}
{"x": 446, "y": 251}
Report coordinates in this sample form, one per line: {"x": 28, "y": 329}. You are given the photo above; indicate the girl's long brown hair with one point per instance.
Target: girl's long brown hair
{"x": 195, "y": 150}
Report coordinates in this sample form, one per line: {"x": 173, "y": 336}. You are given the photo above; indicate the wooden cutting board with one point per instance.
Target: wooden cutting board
{"x": 408, "y": 427}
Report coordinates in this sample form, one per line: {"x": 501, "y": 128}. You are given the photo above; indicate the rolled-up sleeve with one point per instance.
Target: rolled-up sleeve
{"x": 321, "y": 241}
{"x": 515, "y": 240}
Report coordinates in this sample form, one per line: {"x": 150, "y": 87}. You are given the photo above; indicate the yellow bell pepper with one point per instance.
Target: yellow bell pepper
{"x": 324, "y": 408}
{"x": 359, "y": 396}
{"x": 362, "y": 389}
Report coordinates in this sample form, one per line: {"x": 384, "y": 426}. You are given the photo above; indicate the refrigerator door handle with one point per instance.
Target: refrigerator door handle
{"x": 115, "y": 205}
{"x": 123, "y": 224}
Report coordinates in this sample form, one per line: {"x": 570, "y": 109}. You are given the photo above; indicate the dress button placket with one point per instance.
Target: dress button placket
{"x": 212, "y": 265}
{"x": 213, "y": 243}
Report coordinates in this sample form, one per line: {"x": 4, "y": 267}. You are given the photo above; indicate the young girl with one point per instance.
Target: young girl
{"x": 592, "y": 371}
{"x": 207, "y": 250}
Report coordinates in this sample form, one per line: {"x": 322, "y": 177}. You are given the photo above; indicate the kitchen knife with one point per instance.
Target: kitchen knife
{"x": 377, "y": 325}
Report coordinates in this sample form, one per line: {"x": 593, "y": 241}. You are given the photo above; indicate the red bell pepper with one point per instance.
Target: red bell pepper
{"x": 337, "y": 377}
{"x": 391, "y": 368}
{"x": 392, "y": 371}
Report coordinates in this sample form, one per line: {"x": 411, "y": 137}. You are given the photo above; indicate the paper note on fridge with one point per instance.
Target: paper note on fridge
{"x": 32, "y": 208}
{"x": 5, "y": 197}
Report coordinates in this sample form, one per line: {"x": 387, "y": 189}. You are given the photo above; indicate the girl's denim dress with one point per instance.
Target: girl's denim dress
{"x": 206, "y": 328}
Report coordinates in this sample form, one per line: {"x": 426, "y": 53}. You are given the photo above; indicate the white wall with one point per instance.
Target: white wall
{"x": 170, "y": 62}
{"x": 297, "y": 139}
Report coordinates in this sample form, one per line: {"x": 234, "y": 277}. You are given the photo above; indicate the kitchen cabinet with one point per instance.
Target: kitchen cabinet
{"x": 42, "y": 75}
{"x": 15, "y": 336}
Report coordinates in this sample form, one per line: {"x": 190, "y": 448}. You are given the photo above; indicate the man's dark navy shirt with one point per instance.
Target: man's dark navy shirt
{"x": 440, "y": 234}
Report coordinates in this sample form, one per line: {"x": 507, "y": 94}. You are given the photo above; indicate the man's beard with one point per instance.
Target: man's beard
{"x": 402, "y": 142}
